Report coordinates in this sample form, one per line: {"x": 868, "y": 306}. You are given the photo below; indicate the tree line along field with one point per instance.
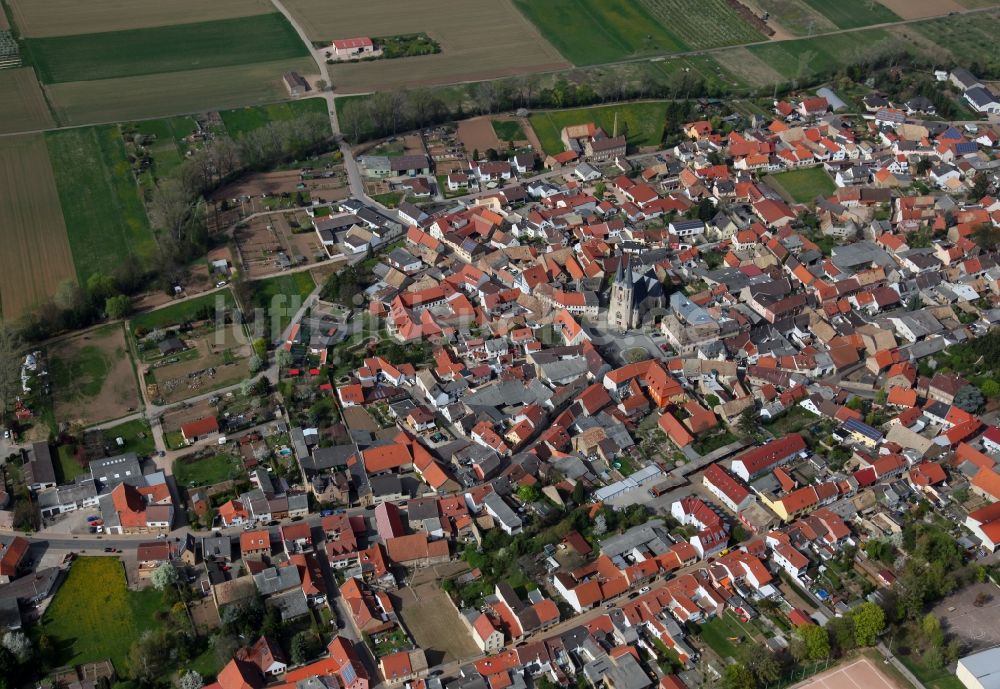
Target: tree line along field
{"x": 22, "y": 105}
{"x": 851, "y": 14}
{"x": 642, "y": 123}
{"x": 36, "y": 254}
{"x": 99, "y": 198}
{"x": 37, "y": 18}
{"x": 157, "y": 50}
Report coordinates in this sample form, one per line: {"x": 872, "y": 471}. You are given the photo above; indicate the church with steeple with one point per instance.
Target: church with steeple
{"x": 633, "y": 295}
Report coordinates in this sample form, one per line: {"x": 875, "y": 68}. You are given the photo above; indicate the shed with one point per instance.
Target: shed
{"x": 832, "y": 98}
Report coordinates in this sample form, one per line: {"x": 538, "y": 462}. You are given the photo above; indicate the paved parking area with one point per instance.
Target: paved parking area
{"x": 977, "y": 626}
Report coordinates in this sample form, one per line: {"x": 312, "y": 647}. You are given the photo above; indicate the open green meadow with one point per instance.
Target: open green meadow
{"x": 700, "y": 24}
{"x": 589, "y": 32}
{"x": 797, "y": 17}
{"x": 642, "y": 123}
{"x": 105, "y": 218}
{"x": 242, "y": 120}
{"x": 806, "y": 57}
{"x": 158, "y": 50}
{"x": 136, "y": 436}
{"x": 508, "y": 130}
{"x": 279, "y": 297}
{"x": 183, "y": 312}
{"x": 191, "y": 472}
{"x": 851, "y": 14}
{"x": 94, "y": 616}
{"x": 804, "y": 185}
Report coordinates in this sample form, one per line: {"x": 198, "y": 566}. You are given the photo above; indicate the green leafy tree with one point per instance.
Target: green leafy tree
{"x": 969, "y": 398}
{"x": 163, "y": 576}
{"x": 869, "y": 622}
{"x": 816, "y": 640}
{"x": 738, "y": 676}
{"x": 117, "y": 307}
{"x": 305, "y": 646}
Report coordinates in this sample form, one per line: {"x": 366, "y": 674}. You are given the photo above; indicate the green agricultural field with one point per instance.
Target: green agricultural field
{"x": 94, "y": 616}
{"x": 105, "y": 219}
{"x": 806, "y": 57}
{"x": 276, "y": 299}
{"x": 192, "y": 472}
{"x": 158, "y": 50}
{"x": 642, "y": 123}
{"x": 508, "y": 130}
{"x": 851, "y": 14}
{"x": 701, "y": 24}
{"x": 243, "y": 120}
{"x": 590, "y": 32}
{"x": 970, "y": 38}
{"x": 182, "y": 312}
{"x": 797, "y": 17}
{"x": 803, "y": 186}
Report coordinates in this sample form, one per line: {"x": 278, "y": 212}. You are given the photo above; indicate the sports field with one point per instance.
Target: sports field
{"x": 36, "y": 253}
{"x": 159, "y": 95}
{"x": 158, "y": 50}
{"x": 242, "y": 120}
{"x": 22, "y": 106}
{"x": 99, "y": 198}
{"x": 850, "y": 14}
{"x": 804, "y": 185}
{"x": 92, "y": 377}
{"x": 856, "y": 674}
{"x": 480, "y": 39}
{"x": 641, "y": 123}
{"x": 37, "y": 18}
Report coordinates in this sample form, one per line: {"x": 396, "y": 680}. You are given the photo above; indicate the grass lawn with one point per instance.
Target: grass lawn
{"x": 190, "y": 472}
{"x": 850, "y": 14}
{"x": 277, "y": 298}
{"x": 94, "y": 616}
{"x": 389, "y": 642}
{"x": 137, "y": 436}
{"x": 85, "y": 372}
{"x": 508, "y": 130}
{"x": 181, "y": 312}
{"x": 163, "y": 49}
{"x": 67, "y": 468}
{"x": 167, "y": 150}
{"x": 174, "y": 440}
{"x": 804, "y": 185}
{"x": 243, "y": 120}
{"x": 792, "y": 421}
{"x": 590, "y": 32}
{"x": 105, "y": 219}
{"x": 710, "y": 443}
{"x": 723, "y": 634}
{"x": 390, "y": 199}
{"x": 932, "y": 679}
{"x": 641, "y": 123}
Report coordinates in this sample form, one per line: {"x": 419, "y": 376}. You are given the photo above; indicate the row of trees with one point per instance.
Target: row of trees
{"x": 811, "y": 643}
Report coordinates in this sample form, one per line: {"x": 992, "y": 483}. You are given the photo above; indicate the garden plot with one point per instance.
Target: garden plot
{"x": 212, "y": 358}
{"x": 92, "y": 377}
